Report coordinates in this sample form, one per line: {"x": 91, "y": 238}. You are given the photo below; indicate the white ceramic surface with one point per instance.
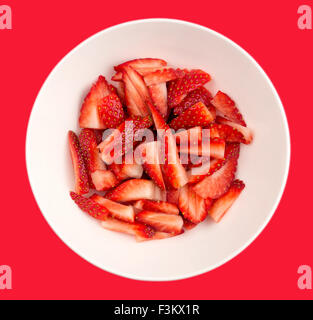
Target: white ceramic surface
{"x": 263, "y": 165}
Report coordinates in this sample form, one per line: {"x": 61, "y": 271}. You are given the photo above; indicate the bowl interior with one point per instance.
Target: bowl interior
{"x": 263, "y": 165}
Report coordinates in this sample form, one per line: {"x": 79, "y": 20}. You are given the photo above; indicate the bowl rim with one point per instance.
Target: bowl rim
{"x": 286, "y": 131}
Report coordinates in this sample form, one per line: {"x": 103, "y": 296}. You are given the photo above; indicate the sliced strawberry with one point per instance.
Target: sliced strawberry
{"x": 208, "y": 203}
{"x": 136, "y": 229}
{"x": 80, "y": 172}
{"x": 158, "y": 93}
{"x": 227, "y": 132}
{"x": 151, "y": 162}
{"x": 201, "y": 94}
{"x": 245, "y": 131}
{"x": 157, "y": 206}
{"x": 89, "y": 115}
{"x": 157, "y": 236}
{"x": 192, "y": 205}
{"x": 223, "y": 103}
{"x": 188, "y": 225}
{"x": 173, "y": 196}
{"x": 90, "y": 207}
{"x": 117, "y": 210}
{"x": 99, "y": 134}
{"x": 104, "y": 180}
{"x": 221, "y": 205}
{"x": 88, "y": 142}
{"x": 134, "y": 189}
{"x": 117, "y": 170}
{"x": 181, "y": 87}
{"x": 218, "y": 183}
{"x": 124, "y": 138}
{"x": 161, "y": 221}
{"x": 133, "y": 170}
{"x": 197, "y": 115}
{"x": 161, "y": 76}
{"x": 111, "y": 111}
{"x": 120, "y": 89}
{"x": 142, "y": 64}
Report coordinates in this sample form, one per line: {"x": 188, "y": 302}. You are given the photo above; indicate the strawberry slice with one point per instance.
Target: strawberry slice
{"x": 104, "y": 180}
{"x": 218, "y": 183}
{"x": 135, "y": 189}
{"x": 192, "y": 205}
{"x": 90, "y": 207}
{"x": 80, "y": 172}
{"x": 111, "y": 111}
{"x": 172, "y": 196}
{"x": 227, "y": 132}
{"x": 197, "y": 115}
{"x": 128, "y": 134}
{"x": 227, "y": 107}
{"x": 88, "y": 140}
{"x": 221, "y": 205}
{"x": 117, "y": 210}
{"x": 89, "y": 115}
{"x": 142, "y": 63}
{"x": 179, "y": 88}
{"x": 135, "y": 229}
{"x": 157, "y": 206}
{"x": 117, "y": 170}
{"x": 245, "y": 131}
{"x": 151, "y": 162}
{"x": 201, "y": 94}
{"x": 161, "y": 221}
{"x": 161, "y": 76}
{"x": 158, "y": 93}
{"x": 188, "y": 225}
{"x": 173, "y": 172}
{"x": 157, "y": 236}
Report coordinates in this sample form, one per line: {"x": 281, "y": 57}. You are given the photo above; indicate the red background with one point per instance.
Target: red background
{"x": 43, "y": 32}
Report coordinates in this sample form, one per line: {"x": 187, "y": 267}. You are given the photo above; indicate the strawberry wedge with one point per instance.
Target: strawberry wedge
{"x": 80, "y": 172}
{"x": 157, "y": 206}
{"x": 142, "y": 63}
{"x": 222, "y": 205}
{"x": 161, "y": 221}
{"x": 226, "y": 132}
{"x": 161, "y": 76}
{"x": 158, "y": 93}
{"x": 104, "y": 180}
{"x": 158, "y": 235}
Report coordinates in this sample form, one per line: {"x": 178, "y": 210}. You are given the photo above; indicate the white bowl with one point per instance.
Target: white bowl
{"x": 263, "y": 165}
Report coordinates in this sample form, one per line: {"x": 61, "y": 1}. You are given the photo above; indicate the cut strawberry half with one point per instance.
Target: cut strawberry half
{"x": 179, "y": 89}
{"x": 104, "y": 180}
{"x": 245, "y": 131}
{"x": 218, "y": 183}
{"x": 111, "y": 111}
{"x": 158, "y": 93}
{"x": 222, "y": 205}
{"x": 124, "y": 138}
{"x": 192, "y": 205}
{"x": 201, "y": 94}
{"x": 117, "y": 210}
{"x": 157, "y": 206}
{"x": 161, "y": 76}
{"x": 161, "y": 221}
{"x": 80, "y": 172}
{"x": 135, "y": 189}
{"x": 223, "y": 103}
{"x": 226, "y": 132}
{"x": 197, "y": 115}
{"x": 135, "y": 229}
{"x": 91, "y": 207}
{"x": 89, "y": 114}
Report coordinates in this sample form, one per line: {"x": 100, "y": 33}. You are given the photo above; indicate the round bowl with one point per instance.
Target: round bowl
{"x": 263, "y": 165}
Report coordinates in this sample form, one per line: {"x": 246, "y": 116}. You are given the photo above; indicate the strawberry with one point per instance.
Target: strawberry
{"x": 89, "y": 115}
{"x": 201, "y": 94}
{"x": 161, "y": 76}
{"x": 157, "y": 206}
{"x": 123, "y": 138}
{"x": 197, "y": 115}
{"x": 161, "y": 221}
{"x": 221, "y": 205}
{"x": 157, "y": 236}
{"x": 135, "y": 189}
{"x": 192, "y": 205}
{"x": 179, "y": 89}
{"x": 117, "y": 210}
{"x": 136, "y": 229}
{"x": 158, "y": 93}
{"x": 173, "y": 196}
{"x": 80, "y": 172}
{"x": 89, "y": 206}
{"x": 223, "y": 103}
{"x": 88, "y": 143}
{"x": 98, "y": 134}
{"x": 218, "y": 183}
{"x": 188, "y": 225}
{"x": 103, "y": 180}
{"x": 142, "y": 64}
{"x": 151, "y": 162}
{"x": 245, "y": 131}
{"x": 226, "y": 132}
{"x": 172, "y": 169}
{"x": 117, "y": 170}
{"x": 111, "y": 111}
{"x": 120, "y": 89}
